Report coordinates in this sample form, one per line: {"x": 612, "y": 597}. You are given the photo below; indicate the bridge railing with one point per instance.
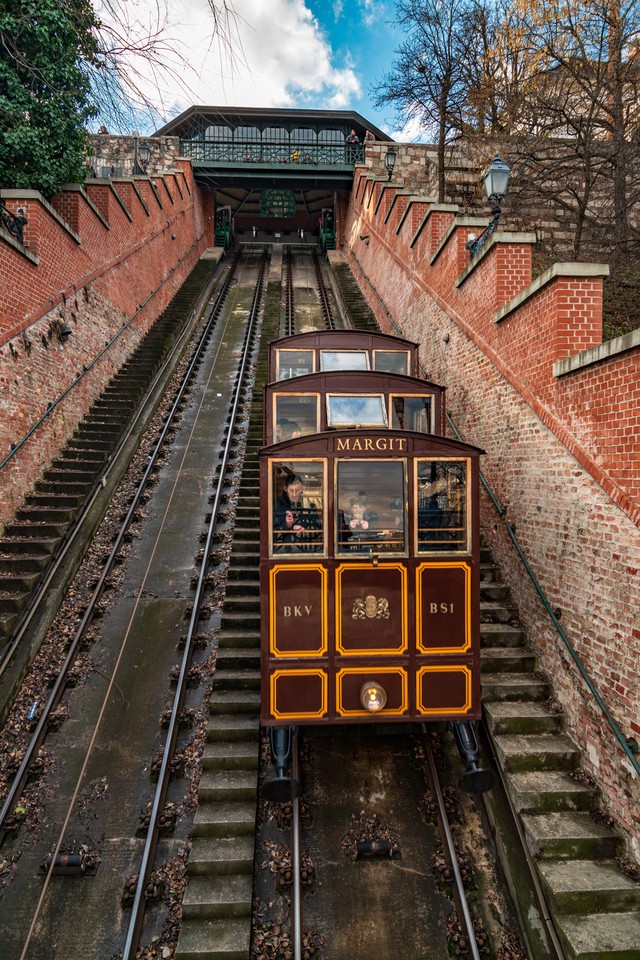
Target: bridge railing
{"x": 271, "y": 152}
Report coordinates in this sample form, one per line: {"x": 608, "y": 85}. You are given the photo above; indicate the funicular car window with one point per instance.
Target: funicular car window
{"x": 294, "y": 363}
{"x": 331, "y": 360}
{"x": 348, "y": 410}
{"x": 295, "y": 415}
{"x": 441, "y": 508}
{"x": 297, "y": 507}
{"x": 412, "y": 413}
{"x": 370, "y": 507}
{"x": 391, "y": 361}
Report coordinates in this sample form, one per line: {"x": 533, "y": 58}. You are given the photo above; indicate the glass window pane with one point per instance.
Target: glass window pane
{"x": 412, "y": 413}
{"x": 370, "y": 507}
{"x": 295, "y": 416}
{"x": 297, "y": 497}
{"x": 344, "y": 360}
{"x": 294, "y": 363}
{"x": 391, "y": 361}
{"x": 442, "y": 506}
{"x": 356, "y": 411}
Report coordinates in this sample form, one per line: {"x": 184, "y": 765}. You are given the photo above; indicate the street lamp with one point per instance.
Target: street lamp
{"x": 495, "y": 183}
{"x": 390, "y": 161}
{"x": 141, "y": 156}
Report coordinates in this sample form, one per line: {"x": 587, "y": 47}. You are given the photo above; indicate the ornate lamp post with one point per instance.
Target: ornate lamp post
{"x": 141, "y": 156}
{"x": 495, "y": 183}
{"x": 390, "y": 161}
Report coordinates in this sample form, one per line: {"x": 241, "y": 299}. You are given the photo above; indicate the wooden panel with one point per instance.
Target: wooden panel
{"x": 371, "y": 609}
{"x": 443, "y": 607}
{"x": 298, "y": 610}
{"x": 298, "y": 694}
{"x": 443, "y": 689}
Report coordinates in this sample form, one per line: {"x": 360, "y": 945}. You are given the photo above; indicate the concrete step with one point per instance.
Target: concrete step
{"x": 36, "y": 531}
{"x": 235, "y": 701}
{"x": 214, "y": 940}
{"x": 588, "y": 886}
{"x": 238, "y": 637}
{"x": 229, "y": 658}
{"x": 31, "y": 559}
{"x": 58, "y": 515}
{"x": 601, "y": 936}
{"x": 224, "y": 819}
{"x": 242, "y": 679}
{"x": 496, "y": 611}
{"x": 211, "y": 896}
{"x": 500, "y": 635}
{"x": 233, "y": 755}
{"x": 545, "y": 791}
{"x": 511, "y": 717}
{"x": 227, "y": 785}
{"x": 233, "y": 727}
{"x": 42, "y": 547}
{"x": 569, "y": 835}
{"x": 514, "y": 686}
{"x": 507, "y": 660}
{"x": 12, "y": 603}
{"x": 247, "y": 619}
{"x": 18, "y": 582}
{"x": 537, "y": 752}
{"x": 493, "y": 590}
{"x": 221, "y": 855}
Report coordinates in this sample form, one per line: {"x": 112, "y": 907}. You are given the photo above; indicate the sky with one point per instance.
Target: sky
{"x": 323, "y": 54}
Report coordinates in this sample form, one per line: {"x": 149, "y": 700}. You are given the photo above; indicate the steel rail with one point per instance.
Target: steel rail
{"x": 59, "y": 685}
{"x": 532, "y": 869}
{"x": 459, "y": 895}
{"x": 74, "y": 529}
{"x": 290, "y": 321}
{"x": 329, "y": 319}
{"x": 153, "y": 832}
{"x": 296, "y": 857}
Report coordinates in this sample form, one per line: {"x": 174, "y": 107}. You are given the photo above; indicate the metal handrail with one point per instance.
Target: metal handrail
{"x": 554, "y": 619}
{"x": 288, "y": 152}
{"x": 511, "y": 531}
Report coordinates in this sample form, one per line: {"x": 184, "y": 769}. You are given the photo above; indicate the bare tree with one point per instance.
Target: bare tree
{"x": 138, "y": 59}
{"x": 583, "y": 93}
{"x": 428, "y": 79}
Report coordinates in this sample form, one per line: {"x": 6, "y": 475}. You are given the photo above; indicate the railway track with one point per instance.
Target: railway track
{"x": 61, "y": 842}
{"x": 134, "y": 897}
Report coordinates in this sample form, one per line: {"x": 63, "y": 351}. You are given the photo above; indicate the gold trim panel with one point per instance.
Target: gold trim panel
{"x": 323, "y": 648}
{"x": 309, "y": 715}
{"x": 444, "y": 565}
{"x": 449, "y": 668}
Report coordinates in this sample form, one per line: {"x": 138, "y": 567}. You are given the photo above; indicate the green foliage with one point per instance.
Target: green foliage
{"x": 45, "y": 47}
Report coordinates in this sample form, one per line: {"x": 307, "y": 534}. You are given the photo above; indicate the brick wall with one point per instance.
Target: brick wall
{"x": 558, "y": 419}
{"x": 96, "y": 256}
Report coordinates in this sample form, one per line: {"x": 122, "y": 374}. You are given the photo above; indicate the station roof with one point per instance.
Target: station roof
{"x": 191, "y": 121}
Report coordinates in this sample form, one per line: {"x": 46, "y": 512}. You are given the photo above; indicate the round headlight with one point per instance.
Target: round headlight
{"x": 372, "y": 696}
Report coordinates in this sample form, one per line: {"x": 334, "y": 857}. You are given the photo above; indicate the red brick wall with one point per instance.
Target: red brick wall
{"x": 561, "y": 451}
{"x": 94, "y": 258}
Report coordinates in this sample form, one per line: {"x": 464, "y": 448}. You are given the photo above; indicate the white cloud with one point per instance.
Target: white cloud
{"x": 281, "y": 58}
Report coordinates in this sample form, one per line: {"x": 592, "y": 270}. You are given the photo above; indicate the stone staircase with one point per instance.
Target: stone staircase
{"x": 350, "y": 296}
{"x": 217, "y": 905}
{"x": 594, "y": 906}
{"x": 30, "y": 541}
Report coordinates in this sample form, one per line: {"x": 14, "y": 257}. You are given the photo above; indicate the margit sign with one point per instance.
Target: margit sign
{"x": 370, "y": 444}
